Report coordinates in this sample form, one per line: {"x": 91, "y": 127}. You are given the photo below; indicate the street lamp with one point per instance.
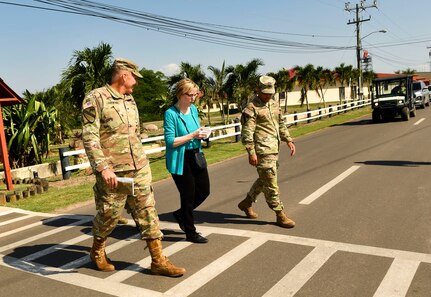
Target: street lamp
{"x": 359, "y": 61}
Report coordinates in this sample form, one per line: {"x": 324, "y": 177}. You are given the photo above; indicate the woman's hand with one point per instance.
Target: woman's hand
{"x": 201, "y": 133}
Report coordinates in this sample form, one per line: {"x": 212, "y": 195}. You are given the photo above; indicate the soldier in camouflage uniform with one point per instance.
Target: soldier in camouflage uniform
{"x": 263, "y": 130}
{"x": 111, "y": 136}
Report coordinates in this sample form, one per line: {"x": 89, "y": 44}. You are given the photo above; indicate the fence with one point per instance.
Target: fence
{"x": 291, "y": 119}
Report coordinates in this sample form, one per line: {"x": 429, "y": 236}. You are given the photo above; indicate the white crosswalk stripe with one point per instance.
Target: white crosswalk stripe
{"x": 396, "y": 282}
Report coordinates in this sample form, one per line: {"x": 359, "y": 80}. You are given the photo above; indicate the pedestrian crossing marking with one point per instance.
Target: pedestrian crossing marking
{"x": 395, "y": 283}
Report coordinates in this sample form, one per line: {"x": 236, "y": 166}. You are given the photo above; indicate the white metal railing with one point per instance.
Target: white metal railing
{"x": 297, "y": 118}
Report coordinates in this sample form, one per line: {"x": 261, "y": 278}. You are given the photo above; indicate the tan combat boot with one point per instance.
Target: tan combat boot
{"x": 283, "y": 220}
{"x": 98, "y": 255}
{"x": 245, "y": 206}
{"x": 160, "y": 265}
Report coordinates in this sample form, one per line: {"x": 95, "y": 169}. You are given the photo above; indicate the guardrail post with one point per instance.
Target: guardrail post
{"x": 320, "y": 113}
{"x": 330, "y": 111}
{"x": 64, "y": 161}
{"x": 295, "y": 118}
{"x": 207, "y": 140}
{"x": 308, "y": 115}
{"x": 237, "y": 129}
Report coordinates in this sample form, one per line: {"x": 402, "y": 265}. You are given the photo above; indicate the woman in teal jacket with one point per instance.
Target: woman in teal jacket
{"x": 183, "y": 135}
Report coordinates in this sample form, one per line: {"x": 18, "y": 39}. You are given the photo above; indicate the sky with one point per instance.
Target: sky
{"x": 37, "y": 45}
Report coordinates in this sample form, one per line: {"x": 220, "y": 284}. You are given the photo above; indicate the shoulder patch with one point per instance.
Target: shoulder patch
{"x": 88, "y": 112}
{"x": 247, "y": 112}
{"x": 89, "y": 115}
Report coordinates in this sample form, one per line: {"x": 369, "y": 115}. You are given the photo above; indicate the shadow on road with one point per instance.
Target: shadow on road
{"x": 215, "y": 218}
{"x": 401, "y": 163}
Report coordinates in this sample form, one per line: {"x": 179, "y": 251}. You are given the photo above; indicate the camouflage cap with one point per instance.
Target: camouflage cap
{"x": 124, "y": 64}
{"x": 266, "y": 84}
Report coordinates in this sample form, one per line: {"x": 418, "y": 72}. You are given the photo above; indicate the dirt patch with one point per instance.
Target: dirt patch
{"x": 74, "y": 181}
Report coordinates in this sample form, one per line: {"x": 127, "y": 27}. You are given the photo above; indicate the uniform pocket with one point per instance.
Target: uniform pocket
{"x": 113, "y": 117}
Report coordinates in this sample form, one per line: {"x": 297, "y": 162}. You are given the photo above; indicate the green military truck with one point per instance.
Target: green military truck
{"x": 393, "y": 96}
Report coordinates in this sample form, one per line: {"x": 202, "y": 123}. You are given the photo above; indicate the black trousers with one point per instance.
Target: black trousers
{"x": 194, "y": 188}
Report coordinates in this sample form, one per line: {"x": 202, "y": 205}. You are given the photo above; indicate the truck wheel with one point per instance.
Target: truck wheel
{"x": 405, "y": 114}
{"x": 413, "y": 113}
{"x": 376, "y": 116}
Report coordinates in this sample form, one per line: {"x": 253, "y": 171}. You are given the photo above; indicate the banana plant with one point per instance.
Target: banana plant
{"x": 28, "y": 128}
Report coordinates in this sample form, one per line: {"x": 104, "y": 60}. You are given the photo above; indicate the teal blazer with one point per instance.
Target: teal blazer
{"x": 174, "y": 127}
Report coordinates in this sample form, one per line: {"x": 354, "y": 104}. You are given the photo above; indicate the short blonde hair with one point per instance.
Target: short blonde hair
{"x": 184, "y": 86}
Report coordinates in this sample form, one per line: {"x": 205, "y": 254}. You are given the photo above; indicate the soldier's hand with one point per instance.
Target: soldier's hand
{"x": 292, "y": 148}
{"x": 252, "y": 160}
{"x": 110, "y": 178}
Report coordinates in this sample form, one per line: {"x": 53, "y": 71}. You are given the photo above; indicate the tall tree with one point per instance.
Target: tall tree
{"x": 406, "y": 71}
{"x": 151, "y": 95}
{"x": 88, "y": 69}
{"x": 217, "y": 85}
{"x": 368, "y": 79}
{"x": 245, "y": 80}
{"x": 305, "y": 77}
{"x": 344, "y": 75}
{"x": 323, "y": 79}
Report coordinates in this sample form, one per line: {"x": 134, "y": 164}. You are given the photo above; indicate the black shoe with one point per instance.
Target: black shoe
{"x": 179, "y": 220}
{"x": 196, "y": 238}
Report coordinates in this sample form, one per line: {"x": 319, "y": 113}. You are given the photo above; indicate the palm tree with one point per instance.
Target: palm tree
{"x": 244, "y": 79}
{"x": 305, "y": 77}
{"x": 368, "y": 77}
{"x": 284, "y": 84}
{"x": 88, "y": 69}
{"x": 406, "y": 71}
{"x": 323, "y": 79}
{"x": 344, "y": 74}
{"x": 217, "y": 85}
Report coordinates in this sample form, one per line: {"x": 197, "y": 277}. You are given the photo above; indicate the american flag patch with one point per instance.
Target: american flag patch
{"x": 87, "y": 105}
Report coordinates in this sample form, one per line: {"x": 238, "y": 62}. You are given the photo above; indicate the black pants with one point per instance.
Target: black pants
{"x": 194, "y": 188}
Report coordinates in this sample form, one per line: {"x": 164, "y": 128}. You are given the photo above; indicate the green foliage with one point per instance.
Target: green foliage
{"x": 59, "y": 98}
{"x": 151, "y": 95}
{"x": 28, "y": 129}
{"x": 88, "y": 69}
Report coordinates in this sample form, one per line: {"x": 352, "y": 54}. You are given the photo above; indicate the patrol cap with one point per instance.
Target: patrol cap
{"x": 266, "y": 84}
{"x": 124, "y": 64}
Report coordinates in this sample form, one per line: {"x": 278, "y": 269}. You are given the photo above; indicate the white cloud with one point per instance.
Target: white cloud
{"x": 170, "y": 69}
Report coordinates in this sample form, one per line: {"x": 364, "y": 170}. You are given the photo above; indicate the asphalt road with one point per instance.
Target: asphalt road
{"x": 359, "y": 193}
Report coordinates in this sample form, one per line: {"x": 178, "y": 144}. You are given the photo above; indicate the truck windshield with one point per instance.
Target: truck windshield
{"x": 389, "y": 88}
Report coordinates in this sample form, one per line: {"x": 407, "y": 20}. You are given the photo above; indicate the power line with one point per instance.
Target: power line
{"x": 205, "y": 32}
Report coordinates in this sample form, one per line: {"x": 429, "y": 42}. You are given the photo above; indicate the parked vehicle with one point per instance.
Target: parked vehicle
{"x": 421, "y": 94}
{"x": 393, "y": 96}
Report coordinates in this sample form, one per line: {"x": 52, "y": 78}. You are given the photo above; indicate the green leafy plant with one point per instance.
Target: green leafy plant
{"x": 28, "y": 128}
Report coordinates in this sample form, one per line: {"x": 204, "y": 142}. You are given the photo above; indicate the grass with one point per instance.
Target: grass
{"x": 72, "y": 193}
{"x": 56, "y": 198}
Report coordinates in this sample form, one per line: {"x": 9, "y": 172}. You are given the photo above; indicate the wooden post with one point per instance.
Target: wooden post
{"x": 4, "y": 154}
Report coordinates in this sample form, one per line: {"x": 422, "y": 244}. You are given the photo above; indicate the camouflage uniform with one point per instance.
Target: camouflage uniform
{"x": 111, "y": 136}
{"x": 263, "y": 129}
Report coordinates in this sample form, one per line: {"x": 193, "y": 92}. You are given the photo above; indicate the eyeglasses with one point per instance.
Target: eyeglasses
{"x": 190, "y": 95}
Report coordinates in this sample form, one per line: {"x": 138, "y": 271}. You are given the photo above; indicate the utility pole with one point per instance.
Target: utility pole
{"x": 428, "y": 47}
{"x": 357, "y": 21}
